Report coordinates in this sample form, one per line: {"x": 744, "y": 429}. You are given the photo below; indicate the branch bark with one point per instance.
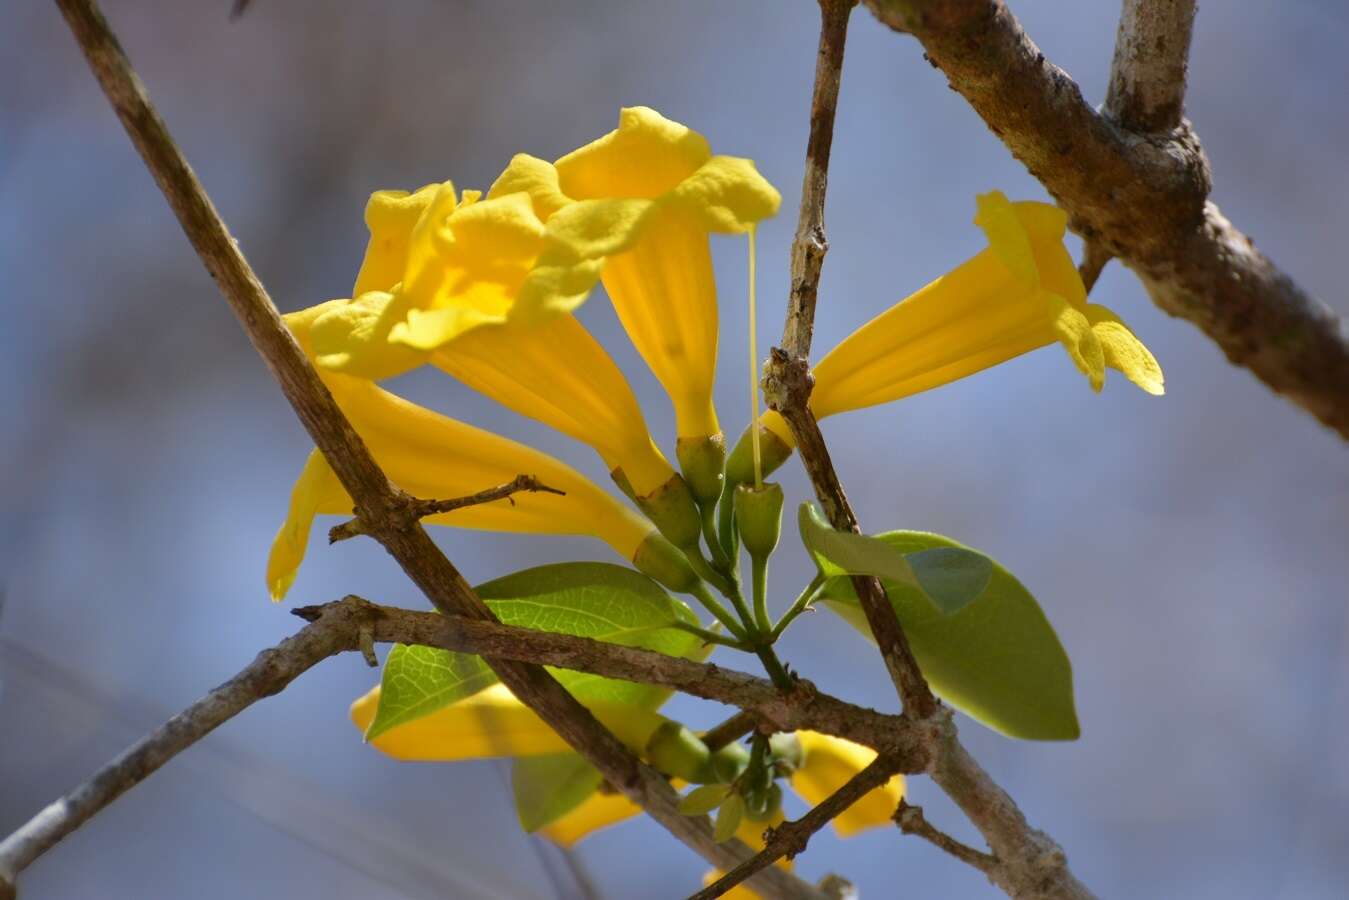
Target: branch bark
{"x": 347, "y": 625}
{"x": 386, "y": 512}
{"x": 911, "y": 820}
{"x": 1152, "y": 55}
{"x": 1141, "y": 196}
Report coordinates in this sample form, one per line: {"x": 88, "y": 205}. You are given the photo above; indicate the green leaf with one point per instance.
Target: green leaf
{"x": 950, "y": 577}
{"x": 997, "y": 660}
{"x": 548, "y": 787}
{"x": 728, "y": 818}
{"x": 595, "y": 600}
{"x": 701, "y": 801}
{"x": 601, "y": 601}
{"x": 417, "y": 681}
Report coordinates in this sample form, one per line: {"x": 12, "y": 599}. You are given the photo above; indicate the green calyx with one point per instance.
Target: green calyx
{"x": 787, "y": 752}
{"x": 758, "y": 512}
{"x": 677, "y": 751}
{"x": 672, "y": 508}
{"x": 773, "y": 452}
{"x": 657, "y": 558}
{"x": 703, "y": 462}
{"x": 729, "y": 762}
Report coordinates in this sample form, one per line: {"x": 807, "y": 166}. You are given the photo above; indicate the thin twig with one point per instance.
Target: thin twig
{"x": 787, "y": 381}
{"x": 790, "y": 838}
{"x": 1147, "y": 74}
{"x": 911, "y": 820}
{"x": 730, "y": 730}
{"x": 380, "y": 505}
{"x": 421, "y": 509}
{"x": 1143, "y": 196}
{"x": 347, "y": 624}
{"x": 810, "y": 244}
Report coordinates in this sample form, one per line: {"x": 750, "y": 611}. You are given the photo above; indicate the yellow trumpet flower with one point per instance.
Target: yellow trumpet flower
{"x": 644, "y": 199}
{"x": 480, "y": 295}
{"x": 493, "y": 723}
{"x": 1019, "y": 294}
{"x": 828, "y": 763}
{"x": 434, "y": 457}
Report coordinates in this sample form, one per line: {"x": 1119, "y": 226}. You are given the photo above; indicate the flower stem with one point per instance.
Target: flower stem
{"x": 705, "y": 570}
{"x": 800, "y": 605}
{"x": 759, "y": 574}
{"x": 754, "y": 366}
{"x": 720, "y": 561}
{"x": 711, "y": 637}
{"x": 723, "y": 615}
{"x": 774, "y": 667}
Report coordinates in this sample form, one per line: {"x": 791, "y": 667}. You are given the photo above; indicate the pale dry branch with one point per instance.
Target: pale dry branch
{"x": 345, "y": 626}
{"x": 911, "y": 820}
{"x": 1142, "y": 196}
{"x": 791, "y": 837}
{"x": 380, "y": 505}
{"x": 1152, "y": 56}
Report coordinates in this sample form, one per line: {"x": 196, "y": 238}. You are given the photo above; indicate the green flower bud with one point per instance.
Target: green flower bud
{"x": 672, "y": 509}
{"x": 659, "y": 559}
{"x": 729, "y": 762}
{"x": 788, "y": 755}
{"x": 677, "y": 751}
{"x": 773, "y": 452}
{"x": 758, "y": 512}
{"x": 760, "y": 806}
{"x": 703, "y": 462}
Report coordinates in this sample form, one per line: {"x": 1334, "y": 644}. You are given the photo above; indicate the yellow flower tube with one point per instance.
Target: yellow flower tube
{"x": 649, "y": 195}
{"x": 434, "y": 457}
{"x": 469, "y": 286}
{"x": 1019, "y": 294}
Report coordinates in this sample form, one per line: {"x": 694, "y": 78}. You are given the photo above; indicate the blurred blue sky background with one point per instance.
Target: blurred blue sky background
{"x": 1192, "y": 551}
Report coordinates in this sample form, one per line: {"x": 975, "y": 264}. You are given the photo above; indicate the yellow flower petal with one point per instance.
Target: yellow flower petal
{"x": 352, "y": 337}
{"x": 1077, "y": 337}
{"x": 558, "y": 374}
{"x": 491, "y": 723}
{"x": 599, "y": 811}
{"x": 316, "y": 482}
{"x": 434, "y": 457}
{"x": 829, "y": 764}
{"x": 466, "y": 264}
{"x": 665, "y": 294}
{"x": 647, "y": 197}
{"x": 1124, "y": 352}
{"x": 1007, "y": 236}
{"x": 647, "y": 156}
{"x": 533, "y": 176}
{"x": 390, "y": 216}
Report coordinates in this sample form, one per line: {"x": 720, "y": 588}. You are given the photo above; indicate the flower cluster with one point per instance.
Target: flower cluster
{"x": 484, "y": 288}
